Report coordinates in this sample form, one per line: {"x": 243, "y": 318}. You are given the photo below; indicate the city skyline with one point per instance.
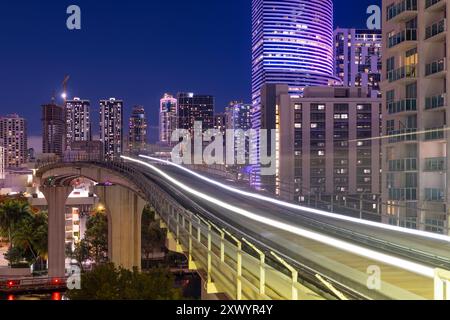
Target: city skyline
{"x": 231, "y": 56}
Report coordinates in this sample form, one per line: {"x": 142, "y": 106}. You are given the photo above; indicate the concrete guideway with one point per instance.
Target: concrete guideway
{"x": 275, "y": 264}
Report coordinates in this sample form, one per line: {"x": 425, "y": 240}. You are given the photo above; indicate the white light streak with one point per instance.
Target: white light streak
{"x": 310, "y": 210}
{"x": 339, "y": 244}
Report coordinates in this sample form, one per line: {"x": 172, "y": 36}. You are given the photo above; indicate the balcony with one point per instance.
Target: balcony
{"x": 405, "y": 74}
{"x": 436, "y": 69}
{"x": 403, "y": 194}
{"x": 403, "y": 106}
{"x": 435, "y": 102}
{"x": 403, "y": 135}
{"x": 404, "y": 40}
{"x": 403, "y": 165}
{"x": 435, "y": 5}
{"x": 437, "y": 31}
{"x": 402, "y": 11}
{"x": 434, "y": 194}
{"x": 434, "y": 134}
{"x": 436, "y": 164}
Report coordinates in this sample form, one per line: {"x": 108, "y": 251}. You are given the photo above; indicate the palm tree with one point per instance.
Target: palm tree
{"x": 11, "y": 212}
{"x": 31, "y": 234}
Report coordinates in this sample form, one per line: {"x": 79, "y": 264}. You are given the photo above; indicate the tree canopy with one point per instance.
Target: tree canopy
{"x": 106, "y": 282}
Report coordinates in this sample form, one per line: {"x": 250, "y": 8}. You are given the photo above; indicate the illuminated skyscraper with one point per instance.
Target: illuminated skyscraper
{"x": 292, "y": 44}
{"x": 78, "y": 121}
{"x": 111, "y": 127}
{"x": 358, "y": 58}
{"x": 193, "y": 107}
{"x": 137, "y": 130}
{"x": 168, "y": 118}
{"x": 13, "y": 138}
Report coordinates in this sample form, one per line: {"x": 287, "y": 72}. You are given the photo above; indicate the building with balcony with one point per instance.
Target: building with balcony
{"x": 415, "y": 183}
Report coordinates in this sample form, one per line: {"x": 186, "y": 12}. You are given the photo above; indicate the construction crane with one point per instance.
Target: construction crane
{"x": 64, "y": 85}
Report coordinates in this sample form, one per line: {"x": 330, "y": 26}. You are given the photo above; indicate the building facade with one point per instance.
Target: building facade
{"x": 13, "y": 138}
{"x": 78, "y": 121}
{"x": 195, "y": 108}
{"x": 53, "y": 129}
{"x": 137, "y": 130}
{"x": 292, "y": 44}
{"x": 111, "y": 128}
{"x": 324, "y": 142}
{"x": 416, "y": 185}
{"x": 168, "y": 118}
{"x": 358, "y": 58}
{"x": 2, "y": 163}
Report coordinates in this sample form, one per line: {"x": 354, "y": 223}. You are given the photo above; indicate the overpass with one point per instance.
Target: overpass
{"x": 248, "y": 246}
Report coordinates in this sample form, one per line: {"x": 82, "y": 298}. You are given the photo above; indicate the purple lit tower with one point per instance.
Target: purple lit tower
{"x": 292, "y": 43}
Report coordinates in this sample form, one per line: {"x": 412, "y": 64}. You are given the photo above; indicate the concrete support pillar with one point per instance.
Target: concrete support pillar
{"x": 124, "y": 208}
{"x": 56, "y": 201}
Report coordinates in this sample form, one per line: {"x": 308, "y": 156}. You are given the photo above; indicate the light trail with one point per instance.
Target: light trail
{"x": 310, "y": 210}
{"x": 339, "y": 244}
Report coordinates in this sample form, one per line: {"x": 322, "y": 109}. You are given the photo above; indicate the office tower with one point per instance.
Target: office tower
{"x": 324, "y": 143}
{"x": 220, "y": 122}
{"x": 292, "y": 43}
{"x": 13, "y": 138}
{"x": 193, "y": 108}
{"x": 137, "y": 130}
{"x": 78, "y": 121}
{"x": 416, "y": 185}
{"x": 168, "y": 118}
{"x": 53, "y": 129}
{"x": 238, "y": 117}
{"x": 358, "y": 58}
{"x": 111, "y": 128}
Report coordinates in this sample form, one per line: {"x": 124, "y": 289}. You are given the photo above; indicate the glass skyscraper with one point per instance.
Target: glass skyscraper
{"x": 292, "y": 43}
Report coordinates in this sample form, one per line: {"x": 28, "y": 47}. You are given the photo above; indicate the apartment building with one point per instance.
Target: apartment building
{"x": 415, "y": 86}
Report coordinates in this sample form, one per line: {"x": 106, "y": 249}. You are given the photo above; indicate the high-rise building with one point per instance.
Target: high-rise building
{"x": 78, "y": 121}
{"x": 137, "y": 130}
{"x": 13, "y": 138}
{"x": 292, "y": 44}
{"x": 53, "y": 129}
{"x": 416, "y": 87}
{"x": 168, "y": 118}
{"x": 238, "y": 118}
{"x": 324, "y": 142}
{"x": 2, "y": 163}
{"x": 220, "y": 122}
{"x": 195, "y": 108}
{"x": 111, "y": 128}
{"x": 358, "y": 58}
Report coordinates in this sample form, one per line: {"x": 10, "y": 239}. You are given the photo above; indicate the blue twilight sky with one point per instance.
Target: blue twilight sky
{"x": 134, "y": 49}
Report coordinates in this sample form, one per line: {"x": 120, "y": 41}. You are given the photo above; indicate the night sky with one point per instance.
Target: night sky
{"x": 134, "y": 50}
